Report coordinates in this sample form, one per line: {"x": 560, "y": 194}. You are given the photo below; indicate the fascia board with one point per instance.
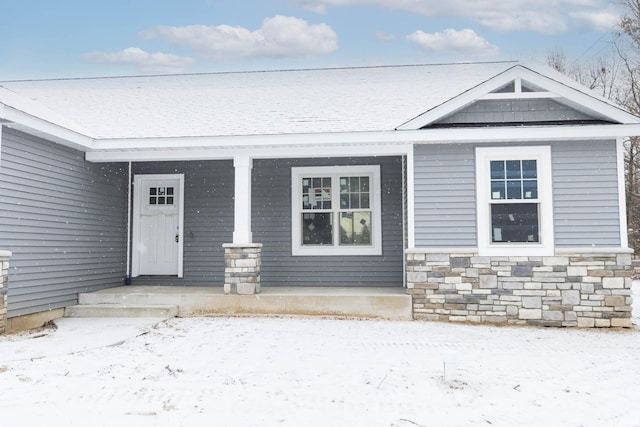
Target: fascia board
{"x": 17, "y": 102}
{"x": 31, "y": 124}
{"x": 342, "y": 144}
{"x": 459, "y": 101}
{"x": 273, "y": 152}
{"x": 580, "y": 99}
{"x": 36, "y": 123}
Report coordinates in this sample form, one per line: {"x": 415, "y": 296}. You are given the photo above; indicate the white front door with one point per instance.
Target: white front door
{"x": 157, "y": 225}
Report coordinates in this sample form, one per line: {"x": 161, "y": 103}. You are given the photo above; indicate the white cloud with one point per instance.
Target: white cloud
{"x": 542, "y": 16}
{"x": 523, "y": 20}
{"x": 150, "y": 62}
{"x": 312, "y": 6}
{"x": 602, "y": 21}
{"x": 280, "y": 36}
{"x": 464, "y": 41}
{"x": 386, "y": 37}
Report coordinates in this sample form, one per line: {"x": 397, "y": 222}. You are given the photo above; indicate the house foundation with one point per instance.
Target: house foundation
{"x": 242, "y": 268}
{"x": 4, "y": 284}
{"x": 574, "y": 289}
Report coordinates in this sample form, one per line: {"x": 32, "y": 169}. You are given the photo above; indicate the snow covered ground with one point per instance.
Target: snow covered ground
{"x": 318, "y": 372}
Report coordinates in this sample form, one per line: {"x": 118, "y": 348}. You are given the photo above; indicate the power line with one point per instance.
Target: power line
{"x": 608, "y": 33}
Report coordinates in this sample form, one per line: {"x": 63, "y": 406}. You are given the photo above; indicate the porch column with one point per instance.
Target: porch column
{"x": 242, "y": 268}
{"x": 242, "y": 258}
{"x": 4, "y": 283}
{"x": 242, "y": 200}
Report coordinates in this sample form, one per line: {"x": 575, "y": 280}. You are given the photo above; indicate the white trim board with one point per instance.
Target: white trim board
{"x": 1, "y": 129}
{"x": 622, "y": 196}
{"x": 343, "y": 144}
{"x": 411, "y": 200}
{"x": 559, "y": 250}
{"x": 274, "y": 152}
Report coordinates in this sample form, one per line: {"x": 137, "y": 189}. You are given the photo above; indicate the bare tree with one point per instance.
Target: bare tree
{"x": 617, "y": 77}
{"x": 601, "y": 75}
{"x": 630, "y": 22}
{"x": 627, "y": 46}
{"x": 557, "y": 59}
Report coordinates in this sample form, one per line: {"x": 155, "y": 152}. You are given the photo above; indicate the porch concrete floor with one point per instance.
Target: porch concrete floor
{"x": 365, "y": 302}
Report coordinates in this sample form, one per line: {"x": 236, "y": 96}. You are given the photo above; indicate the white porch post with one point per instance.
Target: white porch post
{"x": 242, "y": 200}
{"x": 622, "y": 195}
{"x": 242, "y": 258}
{"x": 4, "y": 285}
{"x": 1, "y": 146}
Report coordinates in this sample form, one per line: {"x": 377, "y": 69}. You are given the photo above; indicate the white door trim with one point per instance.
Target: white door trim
{"x": 137, "y": 186}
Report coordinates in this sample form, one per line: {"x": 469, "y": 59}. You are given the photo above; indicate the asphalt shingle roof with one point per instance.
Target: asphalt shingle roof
{"x": 255, "y": 103}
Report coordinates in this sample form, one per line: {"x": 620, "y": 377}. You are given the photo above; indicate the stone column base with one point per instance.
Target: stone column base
{"x": 4, "y": 284}
{"x": 242, "y": 268}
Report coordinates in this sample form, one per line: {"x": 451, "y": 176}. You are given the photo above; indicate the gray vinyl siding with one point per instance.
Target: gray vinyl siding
{"x": 63, "y": 218}
{"x": 208, "y": 219}
{"x": 271, "y": 216}
{"x": 586, "y": 205}
{"x": 445, "y": 196}
{"x": 515, "y": 111}
{"x": 585, "y": 194}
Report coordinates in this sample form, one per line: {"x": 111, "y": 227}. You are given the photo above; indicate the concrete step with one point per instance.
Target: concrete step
{"x": 379, "y": 303}
{"x": 162, "y": 311}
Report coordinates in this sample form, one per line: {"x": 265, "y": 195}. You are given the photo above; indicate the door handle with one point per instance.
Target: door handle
{"x": 177, "y": 238}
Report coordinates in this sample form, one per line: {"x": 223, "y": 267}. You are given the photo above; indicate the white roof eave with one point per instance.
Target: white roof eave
{"x": 24, "y": 115}
{"x": 374, "y": 143}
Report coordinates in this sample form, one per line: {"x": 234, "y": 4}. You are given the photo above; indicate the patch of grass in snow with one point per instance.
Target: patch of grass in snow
{"x": 44, "y": 330}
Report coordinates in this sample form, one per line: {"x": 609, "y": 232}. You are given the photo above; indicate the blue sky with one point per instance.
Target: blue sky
{"x": 82, "y": 38}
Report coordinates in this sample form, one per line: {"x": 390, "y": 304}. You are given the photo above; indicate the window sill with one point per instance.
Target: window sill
{"x": 335, "y": 251}
{"x": 516, "y": 250}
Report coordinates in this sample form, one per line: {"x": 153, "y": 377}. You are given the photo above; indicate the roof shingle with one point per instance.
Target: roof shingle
{"x": 255, "y": 103}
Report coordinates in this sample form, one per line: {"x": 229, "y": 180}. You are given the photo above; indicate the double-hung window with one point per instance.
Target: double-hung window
{"x": 514, "y": 200}
{"x": 336, "y": 210}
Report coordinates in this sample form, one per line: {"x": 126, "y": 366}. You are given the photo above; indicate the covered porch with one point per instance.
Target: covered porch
{"x": 248, "y": 205}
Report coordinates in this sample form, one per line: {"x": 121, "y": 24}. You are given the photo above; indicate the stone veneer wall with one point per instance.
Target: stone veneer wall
{"x": 576, "y": 289}
{"x": 242, "y": 268}
{"x": 4, "y": 284}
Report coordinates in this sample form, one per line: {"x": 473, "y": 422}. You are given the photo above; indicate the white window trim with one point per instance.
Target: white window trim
{"x": 297, "y": 173}
{"x": 483, "y": 201}
{"x": 622, "y": 197}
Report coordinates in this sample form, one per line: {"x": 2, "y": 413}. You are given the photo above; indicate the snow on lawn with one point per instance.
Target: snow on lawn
{"x": 318, "y": 372}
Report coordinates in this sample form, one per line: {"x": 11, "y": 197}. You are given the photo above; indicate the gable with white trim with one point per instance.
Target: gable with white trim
{"x": 521, "y": 96}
